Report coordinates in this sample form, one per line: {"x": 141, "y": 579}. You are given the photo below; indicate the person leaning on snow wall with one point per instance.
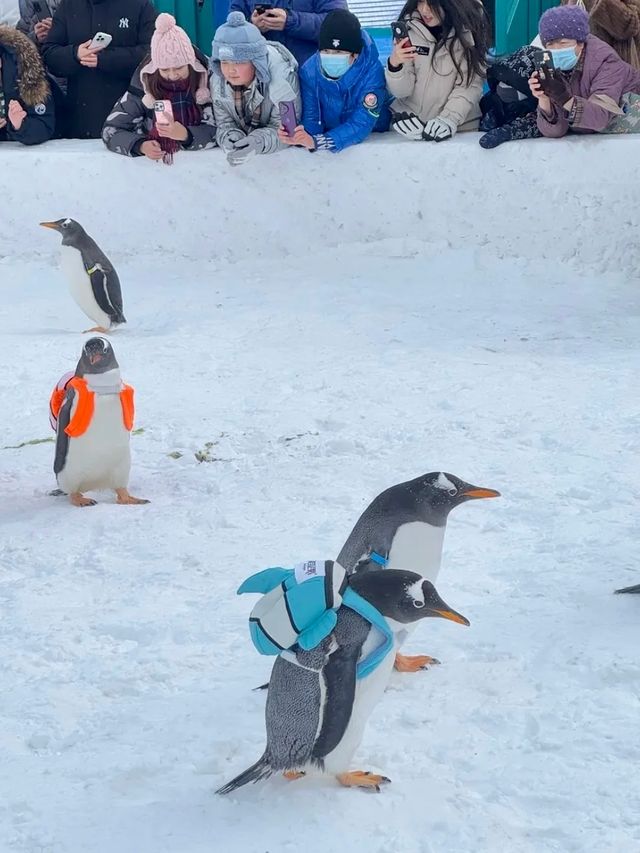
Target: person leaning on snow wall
{"x": 437, "y": 74}
{"x": 95, "y": 80}
{"x": 344, "y": 96}
{"x": 172, "y": 72}
{"x": 584, "y": 94}
{"x": 294, "y": 23}
{"x": 27, "y": 113}
{"x": 249, "y": 79}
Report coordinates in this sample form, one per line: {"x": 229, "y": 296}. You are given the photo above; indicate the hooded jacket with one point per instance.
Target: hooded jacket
{"x": 430, "y": 85}
{"x": 23, "y": 79}
{"x": 264, "y": 98}
{"x": 597, "y": 84}
{"x": 92, "y": 92}
{"x": 343, "y": 112}
{"x": 128, "y": 124}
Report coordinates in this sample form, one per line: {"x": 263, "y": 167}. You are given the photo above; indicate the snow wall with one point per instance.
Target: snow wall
{"x": 573, "y": 200}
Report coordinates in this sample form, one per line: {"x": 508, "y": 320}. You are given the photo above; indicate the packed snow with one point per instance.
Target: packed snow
{"x": 304, "y": 333}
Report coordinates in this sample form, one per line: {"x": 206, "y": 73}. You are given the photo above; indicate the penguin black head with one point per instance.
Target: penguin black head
{"x": 434, "y": 495}
{"x": 402, "y": 596}
{"x": 72, "y": 232}
{"x": 97, "y": 357}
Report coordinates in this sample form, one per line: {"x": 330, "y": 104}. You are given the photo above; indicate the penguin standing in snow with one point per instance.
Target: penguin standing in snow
{"x": 93, "y": 282}
{"x": 318, "y": 705}
{"x": 94, "y": 420}
{"x": 403, "y": 528}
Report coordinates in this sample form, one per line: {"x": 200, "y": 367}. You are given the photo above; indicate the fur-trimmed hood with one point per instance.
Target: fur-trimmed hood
{"x": 33, "y": 86}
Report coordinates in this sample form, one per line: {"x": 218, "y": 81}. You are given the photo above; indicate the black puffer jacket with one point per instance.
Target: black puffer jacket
{"x": 23, "y": 79}
{"x": 92, "y": 92}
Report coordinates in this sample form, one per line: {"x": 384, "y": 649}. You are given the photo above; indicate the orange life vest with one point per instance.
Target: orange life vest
{"x": 83, "y": 414}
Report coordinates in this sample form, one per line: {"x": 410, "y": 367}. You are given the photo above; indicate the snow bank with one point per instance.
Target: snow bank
{"x": 569, "y": 200}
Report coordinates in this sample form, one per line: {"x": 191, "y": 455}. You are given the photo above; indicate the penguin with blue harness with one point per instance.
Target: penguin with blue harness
{"x": 335, "y": 637}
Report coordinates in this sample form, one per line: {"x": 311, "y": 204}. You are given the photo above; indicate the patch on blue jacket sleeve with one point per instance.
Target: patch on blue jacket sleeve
{"x": 371, "y": 104}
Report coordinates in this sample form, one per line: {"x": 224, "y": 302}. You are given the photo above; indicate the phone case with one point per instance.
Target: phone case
{"x": 164, "y": 112}
{"x": 100, "y": 41}
{"x": 288, "y": 116}
{"x": 543, "y": 60}
{"x": 400, "y": 31}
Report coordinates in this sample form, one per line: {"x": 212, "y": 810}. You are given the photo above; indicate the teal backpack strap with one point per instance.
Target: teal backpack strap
{"x": 357, "y": 603}
{"x": 264, "y": 581}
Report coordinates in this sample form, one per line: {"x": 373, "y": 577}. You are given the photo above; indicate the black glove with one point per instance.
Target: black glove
{"x": 556, "y": 88}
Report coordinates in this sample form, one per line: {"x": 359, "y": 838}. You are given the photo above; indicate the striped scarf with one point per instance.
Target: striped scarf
{"x": 185, "y": 111}
{"x": 248, "y": 120}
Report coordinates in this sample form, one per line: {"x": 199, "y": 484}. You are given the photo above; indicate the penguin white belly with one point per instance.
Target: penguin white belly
{"x": 80, "y": 286}
{"x": 417, "y": 547}
{"x": 368, "y": 693}
{"x": 100, "y": 458}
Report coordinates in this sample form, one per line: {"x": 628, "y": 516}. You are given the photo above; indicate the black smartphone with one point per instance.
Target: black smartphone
{"x": 261, "y": 8}
{"x": 543, "y": 60}
{"x": 41, "y": 14}
{"x": 400, "y": 31}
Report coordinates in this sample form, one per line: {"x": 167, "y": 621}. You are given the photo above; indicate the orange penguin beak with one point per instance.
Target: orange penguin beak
{"x": 453, "y": 616}
{"x": 49, "y": 225}
{"x": 477, "y": 493}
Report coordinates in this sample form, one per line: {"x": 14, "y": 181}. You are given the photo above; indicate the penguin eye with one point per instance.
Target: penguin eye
{"x": 418, "y": 603}
{"x": 452, "y": 492}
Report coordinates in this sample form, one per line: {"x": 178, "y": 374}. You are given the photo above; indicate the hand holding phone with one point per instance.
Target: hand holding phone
{"x": 163, "y": 113}
{"x": 261, "y": 8}
{"x": 543, "y": 61}
{"x": 403, "y": 51}
{"x": 99, "y": 42}
{"x": 288, "y": 116}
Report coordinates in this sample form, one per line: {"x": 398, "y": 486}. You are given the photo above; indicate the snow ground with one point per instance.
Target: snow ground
{"x": 126, "y": 664}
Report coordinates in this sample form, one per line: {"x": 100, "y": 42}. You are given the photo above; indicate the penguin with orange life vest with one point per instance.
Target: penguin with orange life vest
{"x": 93, "y": 416}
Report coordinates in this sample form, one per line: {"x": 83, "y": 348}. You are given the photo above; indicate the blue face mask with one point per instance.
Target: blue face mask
{"x": 335, "y": 64}
{"x": 564, "y": 59}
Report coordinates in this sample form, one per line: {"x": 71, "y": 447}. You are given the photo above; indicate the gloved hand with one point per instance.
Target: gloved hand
{"x": 556, "y": 88}
{"x": 242, "y": 150}
{"x": 438, "y": 129}
{"x": 407, "y": 125}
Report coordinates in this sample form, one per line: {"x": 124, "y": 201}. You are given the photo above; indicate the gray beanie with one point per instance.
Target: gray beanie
{"x": 240, "y": 41}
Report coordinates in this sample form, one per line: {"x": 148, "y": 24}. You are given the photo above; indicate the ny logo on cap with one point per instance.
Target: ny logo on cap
{"x": 336, "y": 42}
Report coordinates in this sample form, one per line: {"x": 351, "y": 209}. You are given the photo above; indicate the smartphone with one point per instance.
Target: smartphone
{"x": 261, "y": 8}
{"x": 40, "y": 13}
{"x": 400, "y": 31}
{"x": 288, "y": 116}
{"x": 100, "y": 41}
{"x": 543, "y": 60}
{"x": 164, "y": 112}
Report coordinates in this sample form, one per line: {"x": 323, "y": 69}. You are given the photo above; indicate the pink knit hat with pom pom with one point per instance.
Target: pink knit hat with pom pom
{"x": 172, "y": 48}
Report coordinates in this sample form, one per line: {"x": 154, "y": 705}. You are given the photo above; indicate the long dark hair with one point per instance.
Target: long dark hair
{"x": 464, "y": 17}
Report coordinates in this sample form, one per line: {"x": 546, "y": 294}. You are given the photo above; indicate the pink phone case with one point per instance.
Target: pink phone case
{"x": 288, "y": 116}
{"x": 164, "y": 112}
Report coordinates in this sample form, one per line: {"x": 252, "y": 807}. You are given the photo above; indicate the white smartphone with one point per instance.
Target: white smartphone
{"x": 100, "y": 41}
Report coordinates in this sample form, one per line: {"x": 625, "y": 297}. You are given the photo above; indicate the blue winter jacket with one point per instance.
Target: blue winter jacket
{"x": 304, "y": 18}
{"x": 339, "y": 113}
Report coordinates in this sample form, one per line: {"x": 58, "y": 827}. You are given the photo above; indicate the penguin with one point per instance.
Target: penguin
{"x": 92, "y": 438}
{"x": 93, "y": 282}
{"x": 317, "y": 708}
{"x": 632, "y": 589}
{"x": 404, "y": 527}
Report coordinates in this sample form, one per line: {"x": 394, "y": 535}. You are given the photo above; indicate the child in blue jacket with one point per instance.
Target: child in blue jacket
{"x": 344, "y": 95}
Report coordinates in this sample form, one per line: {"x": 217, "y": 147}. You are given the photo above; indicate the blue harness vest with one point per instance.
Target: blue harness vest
{"x": 300, "y": 608}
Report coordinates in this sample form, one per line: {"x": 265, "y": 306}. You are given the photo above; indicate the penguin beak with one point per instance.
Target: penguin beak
{"x": 95, "y": 358}
{"x": 452, "y": 616}
{"x": 53, "y": 225}
{"x": 474, "y": 492}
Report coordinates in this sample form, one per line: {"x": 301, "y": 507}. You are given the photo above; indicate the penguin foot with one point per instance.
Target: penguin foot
{"x": 414, "y": 663}
{"x": 79, "y": 500}
{"x": 293, "y": 775}
{"x": 123, "y": 497}
{"x": 362, "y": 779}
{"x": 100, "y": 329}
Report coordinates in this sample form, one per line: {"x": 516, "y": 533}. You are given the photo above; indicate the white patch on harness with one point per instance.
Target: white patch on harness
{"x": 310, "y": 569}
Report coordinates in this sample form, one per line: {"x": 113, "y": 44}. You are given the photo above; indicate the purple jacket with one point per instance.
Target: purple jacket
{"x": 600, "y": 71}
{"x": 304, "y": 18}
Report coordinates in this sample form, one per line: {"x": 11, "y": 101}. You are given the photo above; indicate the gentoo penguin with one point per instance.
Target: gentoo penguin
{"x": 633, "y": 589}
{"x": 93, "y": 429}
{"x": 404, "y": 527}
{"x": 93, "y": 282}
{"x": 317, "y": 707}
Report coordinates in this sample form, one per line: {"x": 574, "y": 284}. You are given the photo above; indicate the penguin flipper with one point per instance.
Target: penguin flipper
{"x": 62, "y": 439}
{"x": 632, "y": 589}
{"x": 105, "y": 286}
{"x": 259, "y": 770}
